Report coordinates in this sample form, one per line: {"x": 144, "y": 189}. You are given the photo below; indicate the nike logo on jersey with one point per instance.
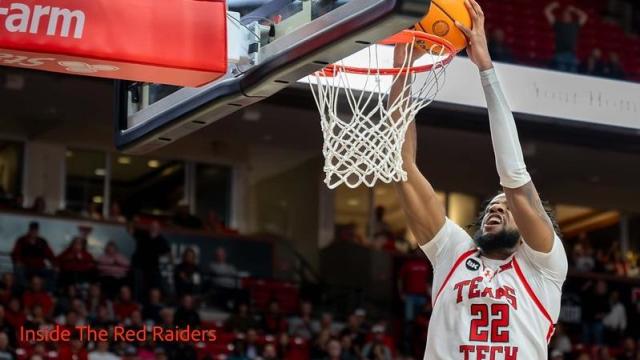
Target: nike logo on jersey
{"x": 469, "y": 289}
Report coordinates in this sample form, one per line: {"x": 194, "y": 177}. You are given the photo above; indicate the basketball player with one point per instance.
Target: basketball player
{"x": 497, "y": 295}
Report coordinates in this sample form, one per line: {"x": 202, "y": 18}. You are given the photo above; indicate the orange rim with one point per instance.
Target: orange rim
{"x": 403, "y": 37}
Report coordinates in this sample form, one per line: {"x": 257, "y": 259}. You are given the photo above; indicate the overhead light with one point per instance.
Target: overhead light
{"x": 153, "y": 164}
{"x": 100, "y": 172}
{"x": 353, "y": 202}
{"x": 124, "y": 160}
{"x": 97, "y": 199}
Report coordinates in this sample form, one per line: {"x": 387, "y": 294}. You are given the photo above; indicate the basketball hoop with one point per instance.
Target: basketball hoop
{"x": 362, "y": 142}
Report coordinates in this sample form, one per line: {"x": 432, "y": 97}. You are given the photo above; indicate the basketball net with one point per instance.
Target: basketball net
{"x": 362, "y": 140}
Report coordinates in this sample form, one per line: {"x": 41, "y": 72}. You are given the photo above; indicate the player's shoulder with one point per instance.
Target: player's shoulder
{"x": 552, "y": 265}
{"x": 448, "y": 244}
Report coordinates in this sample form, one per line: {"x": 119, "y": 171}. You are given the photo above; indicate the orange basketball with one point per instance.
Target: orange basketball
{"x": 440, "y": 21}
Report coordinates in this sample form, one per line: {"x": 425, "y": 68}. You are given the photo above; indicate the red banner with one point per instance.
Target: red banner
{"x": 178, "y": 42}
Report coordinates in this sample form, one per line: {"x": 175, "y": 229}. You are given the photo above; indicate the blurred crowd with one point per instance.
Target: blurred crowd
{"x": 566, "y": 22}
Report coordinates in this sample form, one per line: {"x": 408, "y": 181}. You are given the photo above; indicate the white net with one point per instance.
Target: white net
{"x": 362, "y": 140}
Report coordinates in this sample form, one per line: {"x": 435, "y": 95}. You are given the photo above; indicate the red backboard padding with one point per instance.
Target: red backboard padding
{"x": 178, "y": 42}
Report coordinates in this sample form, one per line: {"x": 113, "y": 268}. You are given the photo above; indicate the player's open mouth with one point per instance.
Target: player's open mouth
{"x": 493, "y": 220}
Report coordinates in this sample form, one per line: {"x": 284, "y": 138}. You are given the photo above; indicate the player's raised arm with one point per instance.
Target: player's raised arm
{"x": 522, "y": 197}
{"x": 424, "y": 213}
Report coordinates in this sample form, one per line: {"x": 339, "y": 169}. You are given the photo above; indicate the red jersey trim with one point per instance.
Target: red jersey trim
{"x": 535, "y": 298}
{"x": 453, "y": 269}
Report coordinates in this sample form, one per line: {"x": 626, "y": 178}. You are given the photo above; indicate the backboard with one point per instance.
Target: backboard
{"x": 293, "y": 38}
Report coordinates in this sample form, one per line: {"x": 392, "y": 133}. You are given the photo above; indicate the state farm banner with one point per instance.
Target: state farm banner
{"x": 177, "y": 42}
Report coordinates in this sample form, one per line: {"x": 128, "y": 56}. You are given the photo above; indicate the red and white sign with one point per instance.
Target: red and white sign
{"x": 178, "y": 42}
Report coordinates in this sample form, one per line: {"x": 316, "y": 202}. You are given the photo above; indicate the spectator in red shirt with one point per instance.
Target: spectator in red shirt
{"x": 14, "y": 314}
{"x": 125, "y": 306}
{"x": 74, "y": 350}
{"x": 30, "y": 255}
{"x": 38, "y": 296}
{"x": 76, "y": 264}
{"x": 412, "y": 283}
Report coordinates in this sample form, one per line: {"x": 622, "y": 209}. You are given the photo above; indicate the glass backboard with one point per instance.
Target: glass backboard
{"x": 288, "y": 39}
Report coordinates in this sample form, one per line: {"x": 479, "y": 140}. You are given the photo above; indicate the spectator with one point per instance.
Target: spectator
{"x": 594, "y": 65}
{"x": 93, "y": 211}
{"x": 37, "y": 295}
{"x": 36, "y": 318}
{"x": 356, "y": 332}
{"x": 629, "y": 348}
{"x": 30, "y": 255}
{"x": 150, "y": 246}
{"x": 334, "y": 350}
{"x": 39, "y": 205}
{"x": 239, "y": 349}
{"x": 115, "y": 213}
{"x": 183, "y": 218}
{"x": 8, "y": 287}
{"x": 186, "y": 313}
{"x": 497, "y": 48}
{"x": 83, "y": 235}
{"x": 319, "y": 346}
{"x": 216, "y": 224}
{"x": 252, "y": 349}
{"x": 113, "y": 268}
{"x": 13, "y": 314}
{"x": 269, "y": 352}
{"x": 413, "y": 285}
{"x": 273, "y": 321}
{"x": 376, "y": 348}
{"x": 302, "y": 325}
{"x": 560, "y": 341}
{"x": 7, "y": 328}
{"x": 74, "y": 350}
{"x": 566, "y": 30}
{"x": 6, "y": 352}
{"x": 614, "y": 68}
{"x": 349, "y": 351}
{"x": 104, "y": 318}
{"x": 76, "y": 264}
{"x": 241, "y": 320}
{"x": 556, "y": 355}
{"x": 225, "y": 279}
{"x": 124, "y": 305}
{"x": 595, "y": 305}
{"x": 616, "y": 320}
{"x": 151, "y": 310}
{"x": 95, "y": 300}
{"x": 102, "y": 352}
{"x": 582, "y": 259}
{"x": 187, "y": 275}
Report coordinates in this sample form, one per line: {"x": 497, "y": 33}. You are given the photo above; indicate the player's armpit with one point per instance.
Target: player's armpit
{"x": 529, "y": 214}
{"x": 424, "y": 213}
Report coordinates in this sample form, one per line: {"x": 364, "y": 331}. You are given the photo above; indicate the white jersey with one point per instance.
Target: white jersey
{"x": 486, "y": 309}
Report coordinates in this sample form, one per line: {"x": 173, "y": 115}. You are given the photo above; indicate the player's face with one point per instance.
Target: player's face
{"x": 497, "y": 217}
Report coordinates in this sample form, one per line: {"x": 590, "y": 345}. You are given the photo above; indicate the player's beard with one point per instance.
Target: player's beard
{"x": 502, "y": 240}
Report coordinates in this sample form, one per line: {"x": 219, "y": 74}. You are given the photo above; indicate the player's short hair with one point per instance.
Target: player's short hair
{"x": 483, "y": 209}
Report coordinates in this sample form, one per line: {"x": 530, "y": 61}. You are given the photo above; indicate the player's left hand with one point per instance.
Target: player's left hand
{"x": 478, "y": 50}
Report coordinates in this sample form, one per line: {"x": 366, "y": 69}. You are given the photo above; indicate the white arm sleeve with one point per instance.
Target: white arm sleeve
{"x": 504, "y": 135}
